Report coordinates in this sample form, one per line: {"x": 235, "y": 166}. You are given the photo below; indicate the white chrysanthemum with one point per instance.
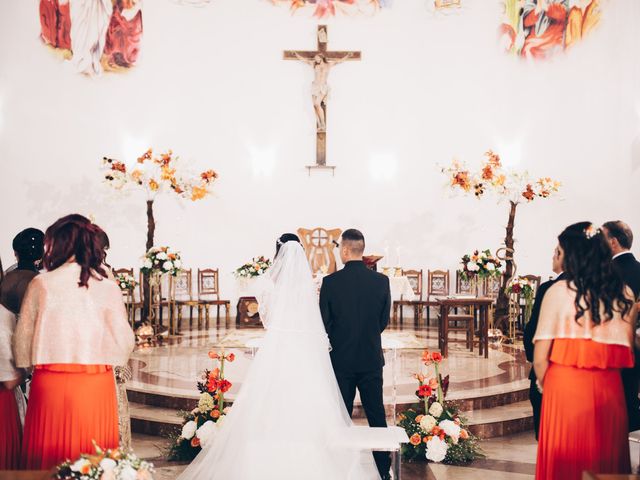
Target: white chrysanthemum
{"x": 79, "y": 465}
{"x": 189, "y": 430}
{"x": 435, "y": 409}
{"x": 450, "y": 429}
{"x": 206, "y": 402}
{"x": 436, "y": 449}
{"x": 205, "y": 432}
{"x": 167, "y": 266}
{"x": 427, "y": 423}
{"x": 107, "y": 464}
{"x": 148, "y": 263}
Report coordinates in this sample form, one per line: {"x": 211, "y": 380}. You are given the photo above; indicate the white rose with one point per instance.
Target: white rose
{"x": 162, "y": 256}
{"x": 107, "y": 464}
{"x": 189, "y": 430}
{"x": 205, "y": 432}
{"x": 128, "y": 473}
{"x": 473, "y": 267}
{"x": 177, "y": 263}
{"x": 436, "y": 409}
{"x": 148, "y": 263}
{"x": 451, "y": 429}
{"x": 490, "y": 266}
{"x": 79, "y": 465}
{"x": 167, "y": 266}
{"x": 123, "y": 285}
{"x": 427, "y": 423}
{"x": 436, "y": 449}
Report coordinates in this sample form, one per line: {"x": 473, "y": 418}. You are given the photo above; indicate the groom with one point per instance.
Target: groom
{"x": 355, "y": 304}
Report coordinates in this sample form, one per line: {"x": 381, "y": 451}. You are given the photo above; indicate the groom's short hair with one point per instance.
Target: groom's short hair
{"x": 354, "y": 240}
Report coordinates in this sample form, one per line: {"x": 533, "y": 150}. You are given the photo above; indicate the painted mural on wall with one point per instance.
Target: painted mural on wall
{"x": 541, "y": 28}
{"x": 330, "y": 8}
{"x": 95, "y": 35}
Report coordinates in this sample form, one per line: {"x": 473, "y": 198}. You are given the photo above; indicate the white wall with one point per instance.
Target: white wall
{"x": 211, "y": 84}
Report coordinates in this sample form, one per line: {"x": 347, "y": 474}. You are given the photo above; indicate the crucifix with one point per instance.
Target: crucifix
{"x": 321, "y": 60}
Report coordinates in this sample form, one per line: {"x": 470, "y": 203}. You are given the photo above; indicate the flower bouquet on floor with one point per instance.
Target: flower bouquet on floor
{"x": 435, "y": 428}
{"x": 106, "y": 465}
{"x": 481, "y": 264}
{"x": 200, "y": 424}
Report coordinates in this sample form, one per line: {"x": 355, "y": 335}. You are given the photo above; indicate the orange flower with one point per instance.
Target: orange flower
{"x": 426, "y": 356}
{"x": 419, "y": 418}
{"x": 461, "y": 179}
{"x": 215, "y": 413}
{"x": 436, "y": 357}
{"x": 119, "y": 167}
{"x": 198, "y": 193}
{"x": 427, "y": 438}
{"x": 176, "y": 187}
{"x": 415, "y": 439}
{"x": 499, "y": 180}
{"x": 433, "y": 383}
{"x": 195, "y": 442}
{"x": 419, "y": 376}
{"x": 464, "y": 434}
{"x": 136, "y": 174}
{"x": 153, "y": 185}
{"x": 231, "y": 357}
{"x": 529, "y": 194}
{"x": 208, "y": 176}
{"x": 145, "y": 156}
{"x": 167, "y": 173}
{"x": 214, "y": 355}
{"x": 487, "y": 172}
{"x": 493, "y": 159}
{"x": 436, "y": 430}
{"x": 85, "y": 469}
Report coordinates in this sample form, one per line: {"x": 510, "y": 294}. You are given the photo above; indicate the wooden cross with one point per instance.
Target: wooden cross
{"x": 321, "y": 60}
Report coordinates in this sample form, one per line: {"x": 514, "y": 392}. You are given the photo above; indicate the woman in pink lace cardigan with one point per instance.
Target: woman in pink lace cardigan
{"x": 73, "y": 330}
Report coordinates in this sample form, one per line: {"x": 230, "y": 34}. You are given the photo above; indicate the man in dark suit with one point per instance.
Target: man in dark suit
{"x": 355, "y": 304}
{"x": 530, "y": 330}
{"x": 620, "y": 238}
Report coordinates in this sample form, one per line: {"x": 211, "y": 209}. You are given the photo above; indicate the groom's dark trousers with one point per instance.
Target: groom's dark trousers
{"x": 355, "y": 304}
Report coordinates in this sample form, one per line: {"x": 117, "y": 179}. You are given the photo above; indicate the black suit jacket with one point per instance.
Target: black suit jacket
{"x": 532, "y": 325}
{"x": 629, "y": 270}
{"x": 355, "y": 304}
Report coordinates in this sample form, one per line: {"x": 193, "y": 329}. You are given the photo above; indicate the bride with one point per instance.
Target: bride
{"x": 289, "y": 408}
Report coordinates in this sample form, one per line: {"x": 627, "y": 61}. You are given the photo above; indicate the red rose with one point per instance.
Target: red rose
{"x": 224, "y": 385}
{"x": 436, "y": 357}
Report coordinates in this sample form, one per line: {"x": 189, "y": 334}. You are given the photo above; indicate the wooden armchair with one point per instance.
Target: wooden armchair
{"x": 182, "y": 295}
{"x": 128, "y": 296}
{"x": 437, "y": 286}
{"x": 209, "y": 294}
{"x": 415, "y": 280}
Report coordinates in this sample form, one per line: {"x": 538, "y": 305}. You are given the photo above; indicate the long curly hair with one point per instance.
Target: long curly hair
{"x": 74, "y": 236}
{"x": 589, "y": 272}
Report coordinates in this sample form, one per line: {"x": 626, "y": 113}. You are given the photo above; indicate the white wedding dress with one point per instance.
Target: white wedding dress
{"x": 289, "y": 408}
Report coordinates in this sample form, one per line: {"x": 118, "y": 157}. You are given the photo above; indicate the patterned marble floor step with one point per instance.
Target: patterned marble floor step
{"x": 500, "y": 421}
{"x": 151, "y": 420}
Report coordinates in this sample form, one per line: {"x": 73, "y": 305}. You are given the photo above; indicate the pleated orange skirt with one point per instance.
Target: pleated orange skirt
{"x": 10, "y": 431}
{"x": 584, "y": 415}
{"x": 69, "y": 407}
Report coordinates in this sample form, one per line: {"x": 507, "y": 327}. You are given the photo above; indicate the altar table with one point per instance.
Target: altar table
{"x": 481, "y": 304}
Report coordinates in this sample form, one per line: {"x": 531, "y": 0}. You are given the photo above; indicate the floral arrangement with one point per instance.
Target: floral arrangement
{"x": 159, "y": 173}
{"x": 125, "y": 281}
{"x": 435, "y": 429}
{"x": 493, "y": 177}
{"x": 524, "y": 288}
{"x": 480, "y": 264}
{"x": 106, "y": 465}
{"x": 254, "y": 268}
{"x": 200, "y": 424}
{"x": 161, "y": 260}
{"x": 329, "y": 8}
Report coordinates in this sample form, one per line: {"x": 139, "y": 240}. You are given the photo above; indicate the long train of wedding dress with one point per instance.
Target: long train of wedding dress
{"x": 289, "y": 407}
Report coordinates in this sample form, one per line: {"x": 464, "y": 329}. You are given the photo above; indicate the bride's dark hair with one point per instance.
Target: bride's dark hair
{"x": 284, "y": 238}
{"x": 588, "y": 269}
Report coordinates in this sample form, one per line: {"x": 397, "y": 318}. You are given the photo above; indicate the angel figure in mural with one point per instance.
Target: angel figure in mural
{"x": 538, "y": 28}
{"x": 319, "y": 87}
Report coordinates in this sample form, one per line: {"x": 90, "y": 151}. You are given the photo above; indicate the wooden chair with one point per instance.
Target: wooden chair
{"x": 209, "y": 294}
{"x": 128, "y": 296}
{"x": 467, "y": 316}
{"x": 181, "y": 287}
{"x": 437, "y": 286}
{"x": 415, "y": 280}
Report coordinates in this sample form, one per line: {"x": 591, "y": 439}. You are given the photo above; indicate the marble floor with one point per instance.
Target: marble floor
{"x": 173, "y": 368}
{"x": 510, "y": 457}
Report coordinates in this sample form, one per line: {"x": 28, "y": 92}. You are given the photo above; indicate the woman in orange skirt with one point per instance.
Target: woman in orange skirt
{"x": 73, "y": 329}
{"x": 584, "y": 338}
